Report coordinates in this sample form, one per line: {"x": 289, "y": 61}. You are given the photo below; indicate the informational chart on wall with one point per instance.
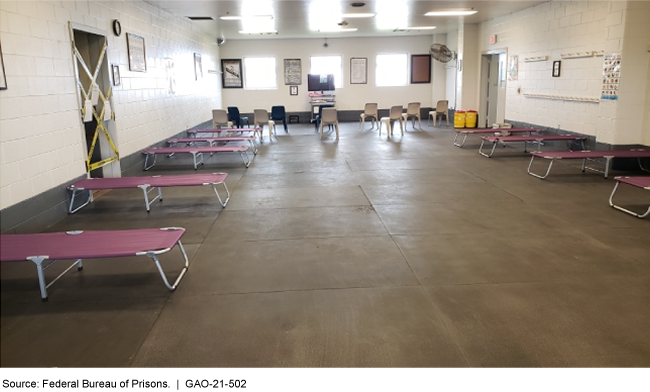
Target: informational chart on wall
{"x": 611, "y": 76}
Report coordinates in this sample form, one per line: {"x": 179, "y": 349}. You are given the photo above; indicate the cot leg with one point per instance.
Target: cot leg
{"x": 641, "y": 165}
{"x": 74, "y": 193}
{"x": 532, "y": 158}
{"x": 146, "y": 159}
{"x": 146, "y": 189}
{"x": 584, "y": 165}
{"x": 153, "y": 257}
{"x": 253, "y": 146}
{"x": 223, "y": 203}
{"x": 244, "y": 157}
{"x": 611, "y": 203}
{"x": 461, "y": 144}
{"x": 41, "y": 277}
{"x": 480, "y": 149}
{"x": 608, "y": 165}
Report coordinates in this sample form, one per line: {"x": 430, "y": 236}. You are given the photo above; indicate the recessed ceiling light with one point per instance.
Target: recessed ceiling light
{"x": 451, "y": 13}
{"x": 338, "y": 30}
{"x": 359, "y": 15}
{"x": 247, "y": 17}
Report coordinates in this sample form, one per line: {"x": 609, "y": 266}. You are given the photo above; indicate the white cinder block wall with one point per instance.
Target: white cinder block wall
{"x": 42, "y": 143}
{"x": 556, "y": 27}
{"x": 351, "y": 96}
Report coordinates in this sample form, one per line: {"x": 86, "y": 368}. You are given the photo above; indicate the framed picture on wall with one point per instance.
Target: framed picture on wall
{"x": 556, "y": 68}
{"x": 292, "y": 72}
{"x": 137, "y": 55}
{"x": 232, "y": 73}
{"x": 3, "y": 78}
{"x": 359, "y": 70}
{"x": 293, "y": 90}
{"x": 116, "y": 75}
{"x": 420, "y": 68}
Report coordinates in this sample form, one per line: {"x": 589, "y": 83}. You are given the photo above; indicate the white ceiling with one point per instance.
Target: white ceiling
{"x": 297, "y": 18}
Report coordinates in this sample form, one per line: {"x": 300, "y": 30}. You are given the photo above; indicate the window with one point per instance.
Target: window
{"x": 392, "y": 70}
{"x": 260, "y": 73}
{"x": 325, "y": 65}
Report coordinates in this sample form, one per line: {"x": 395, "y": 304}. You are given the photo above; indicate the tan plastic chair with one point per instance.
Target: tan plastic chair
{"x": 395, "y": 114}
{"x": 261, "y": 118}
{"x": 220, "y": 119}
{"x": 413, "y": 112}
{"x": 369, "y": 111}
{"x": 442, "y": 107}
{"x": 330, "y": 117}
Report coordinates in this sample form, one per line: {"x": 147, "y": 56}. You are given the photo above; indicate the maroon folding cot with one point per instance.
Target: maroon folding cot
{"x": 147, "y": 184}
{"x": 195, "y": 132}
{"x": 538, "y": 139}
{"x": 197, "y": 153}
{"x": 481, "y": 131}
{"x": 608, "y": 155}
{"x": 639, "y": 182}
{"x": 81, "y": 245}
{"x": 214, "y": 141}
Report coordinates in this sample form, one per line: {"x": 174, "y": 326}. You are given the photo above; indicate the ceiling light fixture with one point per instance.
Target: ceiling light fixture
{"x": 359, "y": 15}
{"x": 254, "y": 32}
{"x": 247, "y": 17}
{"x": 417, "y": 28}
{"x": 338, "y": 30}
{"x": 451, "y": 13}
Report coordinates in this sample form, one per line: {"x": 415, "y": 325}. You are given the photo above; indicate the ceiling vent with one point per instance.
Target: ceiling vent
{"x": 200, "y": 17}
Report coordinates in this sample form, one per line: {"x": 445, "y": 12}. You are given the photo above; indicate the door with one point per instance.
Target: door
{"x": 94, "y": 88}
{"x": 489, "y": 89}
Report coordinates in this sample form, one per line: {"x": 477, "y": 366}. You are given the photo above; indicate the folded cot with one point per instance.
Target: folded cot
{"x": 481, "y": 131}
{"x": 608, "y": 155}
{"x": 639, "y": 182}
{"x": 214, "y": 141}
{"x": 147, "y": 184}
{"x": 197, "y": 153}
{"x": 44, "y": 249}
{"x": 539, "y": 139}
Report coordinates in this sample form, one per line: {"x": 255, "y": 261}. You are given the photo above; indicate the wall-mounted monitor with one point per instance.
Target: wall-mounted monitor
{"x": 320, "y": 82}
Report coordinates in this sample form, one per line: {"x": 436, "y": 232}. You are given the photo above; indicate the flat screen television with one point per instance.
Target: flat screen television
{"x": 320, "y": 82}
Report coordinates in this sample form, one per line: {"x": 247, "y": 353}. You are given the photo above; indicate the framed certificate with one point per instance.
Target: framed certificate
{"x": 232, "y": 73}
{"x": 358, "y": 70}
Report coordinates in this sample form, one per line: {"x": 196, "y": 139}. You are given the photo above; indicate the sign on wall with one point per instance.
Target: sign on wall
{"x": 611, "y": 76}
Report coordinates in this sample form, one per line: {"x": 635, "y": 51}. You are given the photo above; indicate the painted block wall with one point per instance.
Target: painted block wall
{"x": 551, "y": 29}
{"x": 42, "y": 143}
{"x": 350, "y": 97}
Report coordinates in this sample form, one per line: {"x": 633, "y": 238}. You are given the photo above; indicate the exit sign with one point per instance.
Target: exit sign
{"x": 493, "y": 39}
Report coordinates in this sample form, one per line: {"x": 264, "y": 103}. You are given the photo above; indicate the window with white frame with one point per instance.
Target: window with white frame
{"x": 392, "y": 70}
{"x": 260, "y": 73}
{"x": 326, "y": 65}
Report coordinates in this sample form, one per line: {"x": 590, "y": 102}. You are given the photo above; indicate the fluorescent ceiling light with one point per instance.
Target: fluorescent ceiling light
{"x": 240, "y": 17}
{"x": 250, "y": 32}
{"x": 359, "y": 15}
{"x": 337, "y": 30}
{"x": 451, "y": 13}
{"x": 417, "y": 28}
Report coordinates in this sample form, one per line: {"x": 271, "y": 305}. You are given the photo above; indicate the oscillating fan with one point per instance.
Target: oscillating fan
{"x": 441, "y": 53}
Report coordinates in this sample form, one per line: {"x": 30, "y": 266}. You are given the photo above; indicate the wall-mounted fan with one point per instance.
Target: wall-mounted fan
{"x": 441, "y": 53}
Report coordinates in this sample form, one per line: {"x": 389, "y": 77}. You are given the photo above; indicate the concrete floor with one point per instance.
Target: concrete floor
{"x": 366, "y": 252}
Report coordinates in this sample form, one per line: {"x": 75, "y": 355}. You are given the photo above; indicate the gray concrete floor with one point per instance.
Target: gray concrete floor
{"x": 362, "y": 252}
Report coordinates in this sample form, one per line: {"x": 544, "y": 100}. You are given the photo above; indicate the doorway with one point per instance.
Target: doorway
{"x": 492, "y": 88}
{"x": 95, "y": 93}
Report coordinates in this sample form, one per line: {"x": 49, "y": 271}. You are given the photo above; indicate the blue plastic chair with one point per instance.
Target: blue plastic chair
{"x": 237, "y": 120}
{"x": 278, "y": 114}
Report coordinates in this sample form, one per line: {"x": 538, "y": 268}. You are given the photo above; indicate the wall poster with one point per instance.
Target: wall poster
{"x": 137, "y": 55}
{"x": 232, "y": 73}
{"x": 611, "y": 76}
{"x": 513, "y": 67}
{"x": 292, "y": 72}
{"x": 358, "y": 70}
